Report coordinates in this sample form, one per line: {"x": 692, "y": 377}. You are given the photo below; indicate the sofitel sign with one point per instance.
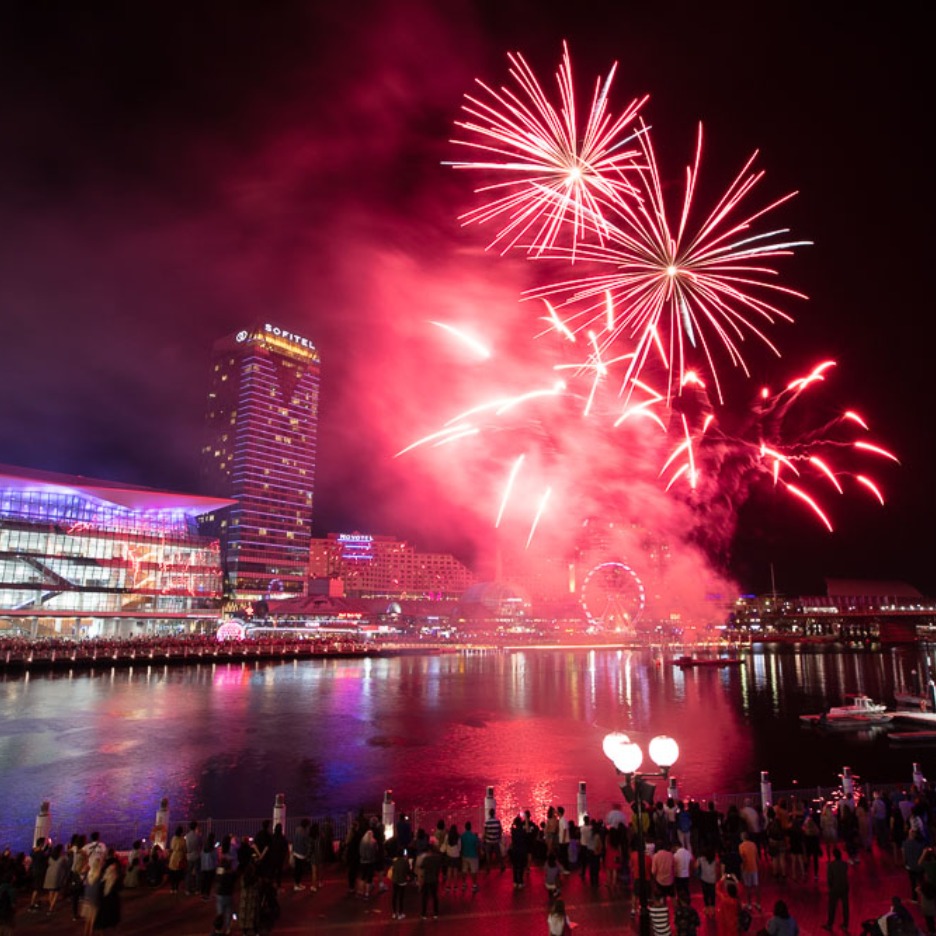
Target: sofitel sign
{"x": 278, "y": 332}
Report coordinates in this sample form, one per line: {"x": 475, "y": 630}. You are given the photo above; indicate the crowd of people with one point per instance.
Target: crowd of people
{"x": 243, "y": 877}
{"x": 694, "y": 855}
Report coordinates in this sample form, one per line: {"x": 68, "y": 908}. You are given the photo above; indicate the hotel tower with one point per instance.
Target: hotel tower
{"x": 262, "y": 422}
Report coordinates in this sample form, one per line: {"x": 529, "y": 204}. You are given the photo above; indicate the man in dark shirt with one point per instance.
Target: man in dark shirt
{"x": 429, "y": 866}
{"x": 837, "y": 878}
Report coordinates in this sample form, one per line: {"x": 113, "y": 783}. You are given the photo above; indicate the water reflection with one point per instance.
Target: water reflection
{"x": 332, "y": 735}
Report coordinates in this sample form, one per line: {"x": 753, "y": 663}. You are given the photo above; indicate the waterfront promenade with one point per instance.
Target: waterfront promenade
{"x": 496, "y": 908}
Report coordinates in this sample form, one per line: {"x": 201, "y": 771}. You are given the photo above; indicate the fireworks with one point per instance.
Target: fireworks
{"x": 764, "y": 443}
{"x": 559, "y": 178}
{"x": 622, "y": 407}
{"x": 676, "y": 290}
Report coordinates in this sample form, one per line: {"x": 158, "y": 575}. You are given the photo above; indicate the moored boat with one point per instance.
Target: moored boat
{"x": 687, "y": 662}
{"x": 860, "y": 712}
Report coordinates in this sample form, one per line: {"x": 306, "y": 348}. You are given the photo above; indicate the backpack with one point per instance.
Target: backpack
{"x": 744, "y": 919}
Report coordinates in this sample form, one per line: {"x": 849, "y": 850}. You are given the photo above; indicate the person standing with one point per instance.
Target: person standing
{"x": 399, "y": 877}
{"x": 664, "y": 877}
{"x": 37, "y": 870}
{"x": 108, "y": 916}
{"x": 56, "y": 876}
{"x": 470, "y": 844}
{"x": 518, "y": 853}
{"x": 367, "y": 862}
{"x": 429, "y": 866}
{"x": 913, "y": 848}
{"x": 563, "y": 839}
{"x": 493, "y": 833}
{"x": 749, "y": 871}
{"x": 837, "y": 878}
{"x": 682, "y": 868}
{"x": 177, "y": 852}
{"x": 193, "y": 848}
{"x": 319, "y": 851}
{"x": 301, "y": 847}
{"x": 225, "y": 876}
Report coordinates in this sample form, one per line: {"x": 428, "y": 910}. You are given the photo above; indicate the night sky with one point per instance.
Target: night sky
{"x": 170, "y": 173}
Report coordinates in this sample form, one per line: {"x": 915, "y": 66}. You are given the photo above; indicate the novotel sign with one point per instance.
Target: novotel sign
{"x": 355, "y": 538}
{"x": 278, "y": 332}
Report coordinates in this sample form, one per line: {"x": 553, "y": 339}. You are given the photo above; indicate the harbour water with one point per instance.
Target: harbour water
{"x": 332, "y": 735}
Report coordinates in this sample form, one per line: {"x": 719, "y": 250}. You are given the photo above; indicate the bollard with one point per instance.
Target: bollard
{"x": 918, "y": 781}
{"x": 581, "y": 803}
{"x": 848, "y": 782}
{"x": 389, "y": 814}
{"x": 43, "y": 823}
{"x": 672, "y": 790}
{"x": 279, "y": 811}
{"x": 766, "y": 790}
{"x": 160, "y": 833}
{"x": 489, "y": 801}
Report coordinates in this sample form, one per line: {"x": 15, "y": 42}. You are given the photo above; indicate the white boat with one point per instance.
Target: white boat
{"x": 860, "y": 712}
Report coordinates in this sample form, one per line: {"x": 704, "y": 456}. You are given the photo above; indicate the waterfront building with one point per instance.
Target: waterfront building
{"x": 85, "y": 557}
{"x": 385, "y": 567}
{"x": 260, "y": 449}
{"x": 851, "y": 610}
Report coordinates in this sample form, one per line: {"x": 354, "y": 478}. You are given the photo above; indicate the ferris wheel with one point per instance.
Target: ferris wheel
{"x": 612, "y": 596}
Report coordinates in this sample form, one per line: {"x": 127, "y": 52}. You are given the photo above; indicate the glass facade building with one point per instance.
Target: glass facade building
{"x": 262, "y": 423}
{"x": 82, "y": 557}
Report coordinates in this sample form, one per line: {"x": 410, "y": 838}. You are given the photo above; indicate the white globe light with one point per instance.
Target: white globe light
{"x": 630, "y": 758}
{"x": 612, "y": 744}
{"x": 664, "y": 751}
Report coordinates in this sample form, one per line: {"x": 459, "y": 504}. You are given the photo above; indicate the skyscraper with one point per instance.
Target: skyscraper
{"x": 262, "y": 423}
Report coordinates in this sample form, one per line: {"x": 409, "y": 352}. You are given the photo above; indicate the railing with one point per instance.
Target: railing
{"x": 122, "y": 835}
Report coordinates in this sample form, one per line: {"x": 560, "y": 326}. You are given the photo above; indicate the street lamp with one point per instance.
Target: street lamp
{"x": 627, "y": 758}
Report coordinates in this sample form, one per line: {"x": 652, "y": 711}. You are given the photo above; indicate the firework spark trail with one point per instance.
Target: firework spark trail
{"x": 480, "y": 349}
{"x": 763, "y": 445}
{"x": 539, "y": 513}
{"x": 558, "y": 179}
{"x": 512, "y": 477}
{"x": 677, "y": 292}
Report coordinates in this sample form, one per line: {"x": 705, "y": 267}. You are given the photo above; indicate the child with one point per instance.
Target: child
{"x": 553, "y": 877}
{"x": 557, "y": 919}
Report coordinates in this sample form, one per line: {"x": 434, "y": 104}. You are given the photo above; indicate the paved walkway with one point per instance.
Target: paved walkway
{"x": 495, "y": 909}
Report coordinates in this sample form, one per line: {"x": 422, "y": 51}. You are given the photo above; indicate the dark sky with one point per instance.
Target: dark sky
{"x": 170, "y": 172}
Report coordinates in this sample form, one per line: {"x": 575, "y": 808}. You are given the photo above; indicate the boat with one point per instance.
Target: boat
{"x": 687, "y": 662}
{"x": 860, "y": 712}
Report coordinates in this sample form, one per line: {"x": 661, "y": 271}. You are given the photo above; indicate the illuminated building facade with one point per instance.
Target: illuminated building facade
{"x": 381, "y": 566}
{"x": 262, "y": 423}
{"x": 82, "y": 557}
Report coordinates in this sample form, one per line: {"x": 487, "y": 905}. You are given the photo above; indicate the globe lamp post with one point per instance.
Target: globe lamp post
{"x": 638, "y": 791}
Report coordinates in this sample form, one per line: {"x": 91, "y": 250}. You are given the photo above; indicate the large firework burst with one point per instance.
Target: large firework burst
{"x": 553, "y": 178}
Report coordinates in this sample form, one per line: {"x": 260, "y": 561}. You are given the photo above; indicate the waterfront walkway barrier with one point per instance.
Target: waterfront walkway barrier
{"x": 21, "y": 836}
{"x": 26, "y": 656}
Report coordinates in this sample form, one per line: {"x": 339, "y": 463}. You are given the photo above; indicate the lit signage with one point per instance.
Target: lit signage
{"x": 231, "y": 630}
{"x": 356, "y": 546}
{"x": 277, "y": 332}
